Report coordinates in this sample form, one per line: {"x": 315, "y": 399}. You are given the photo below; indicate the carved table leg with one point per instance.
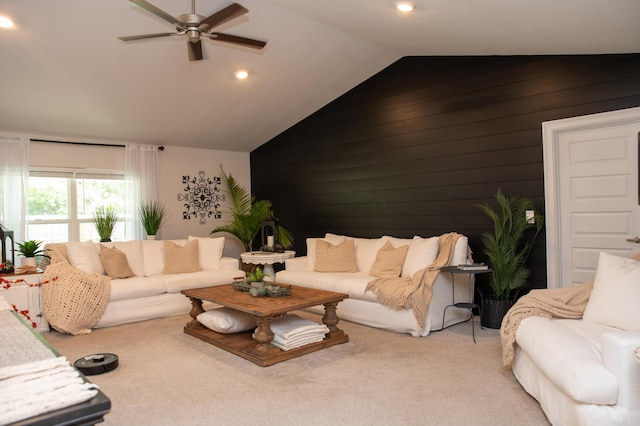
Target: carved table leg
{"x": 263, "y": 335}
{"x": 330, "y": 319}
{"x": 196, "y": 309}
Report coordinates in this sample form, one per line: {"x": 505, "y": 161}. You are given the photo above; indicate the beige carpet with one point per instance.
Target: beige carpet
{"x": 166, "y": 377}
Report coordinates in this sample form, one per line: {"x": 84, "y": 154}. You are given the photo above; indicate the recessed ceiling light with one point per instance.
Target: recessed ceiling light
{"x": 405, "y": 6}
{"x": 5, "y": 22}
{"x": 242, "y": 74}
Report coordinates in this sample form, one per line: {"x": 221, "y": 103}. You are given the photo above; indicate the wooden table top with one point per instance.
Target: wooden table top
{"x": 300, "y": 298}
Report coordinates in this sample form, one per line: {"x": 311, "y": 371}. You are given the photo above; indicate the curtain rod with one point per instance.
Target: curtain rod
{"x": 160, "y": 148}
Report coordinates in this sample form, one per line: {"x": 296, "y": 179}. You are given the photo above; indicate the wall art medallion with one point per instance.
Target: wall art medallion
{"x": 202, "y": 197}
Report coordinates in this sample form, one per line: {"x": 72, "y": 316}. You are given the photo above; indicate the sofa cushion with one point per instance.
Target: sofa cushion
{"x": 366, "y": 251}
{"x": 181, "y": 259}
{"x": 389, "y": 261}
{"x": 226, "y": 320}
{"x": 115, "y": 263}
{"x": 311, "y": 248}
{"x": 209, "y": 252}
{"x": 569, "y": 353}
{"x": 616, "y": 293}
{"x": 422, "y": 253}
{"x": 133, "y": 250}
{"x": 85, "y": 256}
{"x": 175, "y": 283}
{"x": 335, "y": 258}
{"x": 137, "y": 287}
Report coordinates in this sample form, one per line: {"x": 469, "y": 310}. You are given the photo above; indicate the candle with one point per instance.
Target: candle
{"x": 270, "y": 241}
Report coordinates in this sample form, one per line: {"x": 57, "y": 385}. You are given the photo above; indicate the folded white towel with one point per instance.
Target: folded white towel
{"x": 286, "y": 345}
{"x": 291, "y": 325}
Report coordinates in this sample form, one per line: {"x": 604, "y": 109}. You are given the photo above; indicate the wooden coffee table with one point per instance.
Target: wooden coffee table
{"x": 256, "y": 346}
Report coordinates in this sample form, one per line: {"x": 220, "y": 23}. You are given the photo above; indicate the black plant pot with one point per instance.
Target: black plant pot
{"x": 493, "y": 311}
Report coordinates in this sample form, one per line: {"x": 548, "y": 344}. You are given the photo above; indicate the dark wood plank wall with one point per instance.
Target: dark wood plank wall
{"x": 415, "y": 148}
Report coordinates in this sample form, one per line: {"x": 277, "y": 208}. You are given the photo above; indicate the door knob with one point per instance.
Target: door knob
{"x": 634, "y": 240}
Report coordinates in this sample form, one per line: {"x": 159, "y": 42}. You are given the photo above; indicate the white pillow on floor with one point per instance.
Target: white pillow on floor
{"x": 226, "y": 320}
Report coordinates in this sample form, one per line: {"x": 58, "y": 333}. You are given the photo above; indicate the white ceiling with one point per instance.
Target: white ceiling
{"x": 64, "y": 73}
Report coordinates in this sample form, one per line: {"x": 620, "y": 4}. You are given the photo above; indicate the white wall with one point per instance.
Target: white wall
{"x": 174, "y": 163}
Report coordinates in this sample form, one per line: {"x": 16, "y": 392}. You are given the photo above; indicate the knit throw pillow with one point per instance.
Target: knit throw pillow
{"x": 389, "y": 261}
{"x": 115, "y": 263}
{"x": 181, "y": 259}
{"x": 340, "y": 258}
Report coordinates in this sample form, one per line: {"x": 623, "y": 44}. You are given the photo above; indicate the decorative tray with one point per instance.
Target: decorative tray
{"x": 271, "y": 289}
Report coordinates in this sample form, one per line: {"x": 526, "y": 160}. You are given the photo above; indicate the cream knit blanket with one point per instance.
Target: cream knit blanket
{"x": 73, "y": 300}
{"x": 549, "y": 303}
{"x": 415, "y": 292}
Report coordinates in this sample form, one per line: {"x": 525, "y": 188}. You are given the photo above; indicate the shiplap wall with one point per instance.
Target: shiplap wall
{"x": 415, "y": 148}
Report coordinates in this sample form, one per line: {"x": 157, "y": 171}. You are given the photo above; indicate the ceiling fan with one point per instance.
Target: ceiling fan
{"x": 195, "y": 26}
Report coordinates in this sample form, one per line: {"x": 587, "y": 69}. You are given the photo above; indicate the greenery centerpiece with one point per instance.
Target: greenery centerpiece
{"x": 105, "y": 219}
{"x": 507, "y": 248}
{"x": 153, "y": 215}
{"x": 248, "y": 215}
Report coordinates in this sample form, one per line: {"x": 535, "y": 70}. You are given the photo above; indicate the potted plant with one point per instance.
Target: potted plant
{"x": 256, "y": 278}
{"x": 507, "y": 248}
{"x": 152, "y": 215}
{"x": 105, "y": 219}
{"x": 30, "y": 249}
{"x": 248, "y": 215}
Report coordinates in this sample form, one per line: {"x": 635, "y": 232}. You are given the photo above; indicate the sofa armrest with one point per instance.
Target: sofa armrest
{"x": 617, "y": 357}
{"x": 296, "y": 263}
{"x": 229, "y": 263}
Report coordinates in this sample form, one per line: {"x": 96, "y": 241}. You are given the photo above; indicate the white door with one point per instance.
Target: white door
{"x": 592, "y": 192}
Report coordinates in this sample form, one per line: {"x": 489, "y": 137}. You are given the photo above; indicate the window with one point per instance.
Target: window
{"x": 62, "y": 202}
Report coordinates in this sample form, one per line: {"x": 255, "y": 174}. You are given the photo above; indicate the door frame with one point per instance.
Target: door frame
{"x": 551, "y": 131}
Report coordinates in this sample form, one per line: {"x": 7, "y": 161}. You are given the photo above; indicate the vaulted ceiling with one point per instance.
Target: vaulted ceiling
{"x": 64, "y": 73}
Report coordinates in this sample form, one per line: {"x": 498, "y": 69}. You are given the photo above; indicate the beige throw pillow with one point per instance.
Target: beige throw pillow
{"x": 115, "y": 263}
{"x": 340, "y": 258}
{"x": 389, "y": 261}
{"x": 181, "y": 259}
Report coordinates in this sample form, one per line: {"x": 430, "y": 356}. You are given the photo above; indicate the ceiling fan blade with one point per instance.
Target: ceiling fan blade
{"x": 143, "y": 36}
{"x": 243, "y": 41}
{"x": 195, "y": 50}
{"x": 158, "y": 12}
{"x": 228, "y": 13}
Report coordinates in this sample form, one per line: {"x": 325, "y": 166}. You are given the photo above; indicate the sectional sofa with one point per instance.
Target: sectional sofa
{"x": 107, "y": 284}
{"x": 363, "y": 306}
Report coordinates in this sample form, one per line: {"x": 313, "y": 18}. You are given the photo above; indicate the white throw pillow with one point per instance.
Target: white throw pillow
{"x": 422, "y": 252}
{"x": 366, "y": 251}
{"x": 85, "y": 256}
{"x": 311, "y": 248}
{"x": 210, "y": 252}
{"x": 153, "y": 257}
{"x": 615, "y": 296}
{"x": 226, "y": 320}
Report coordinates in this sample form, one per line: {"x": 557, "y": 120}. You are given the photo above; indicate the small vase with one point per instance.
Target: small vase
{"x": 151, "y": 237}
{"x": 28, "y": 261}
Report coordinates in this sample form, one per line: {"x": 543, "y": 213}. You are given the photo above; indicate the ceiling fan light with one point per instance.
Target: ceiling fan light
{"x": 193, "y": 35}
{"x": 405, "y": 6}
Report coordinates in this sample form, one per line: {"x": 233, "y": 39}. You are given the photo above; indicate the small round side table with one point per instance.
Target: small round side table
{"x": 267, "y": 259}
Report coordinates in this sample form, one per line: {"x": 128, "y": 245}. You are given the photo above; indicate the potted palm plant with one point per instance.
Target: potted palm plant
{"x": 29, "y": 250}
{"x": 105, "y": 219}
{"x": 248, "y": 215}
{"x": 152, "y": 215}
{"x": 507, "y": 248}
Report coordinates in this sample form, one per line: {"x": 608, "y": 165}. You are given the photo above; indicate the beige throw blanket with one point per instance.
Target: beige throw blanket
{"x": 549, "y": 303}
{"x": 73, "y": 300}
{"x": 415, "y": 292}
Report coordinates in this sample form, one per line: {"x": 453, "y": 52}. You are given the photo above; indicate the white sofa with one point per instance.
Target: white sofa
{"x": 583, "y": 371}
{"x": 152, "y": 292}
{"x": 363, "y": 306}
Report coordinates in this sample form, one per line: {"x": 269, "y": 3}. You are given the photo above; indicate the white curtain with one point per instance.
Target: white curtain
{"x": 141, "y": 177}
{"x": 14, "y": 172}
